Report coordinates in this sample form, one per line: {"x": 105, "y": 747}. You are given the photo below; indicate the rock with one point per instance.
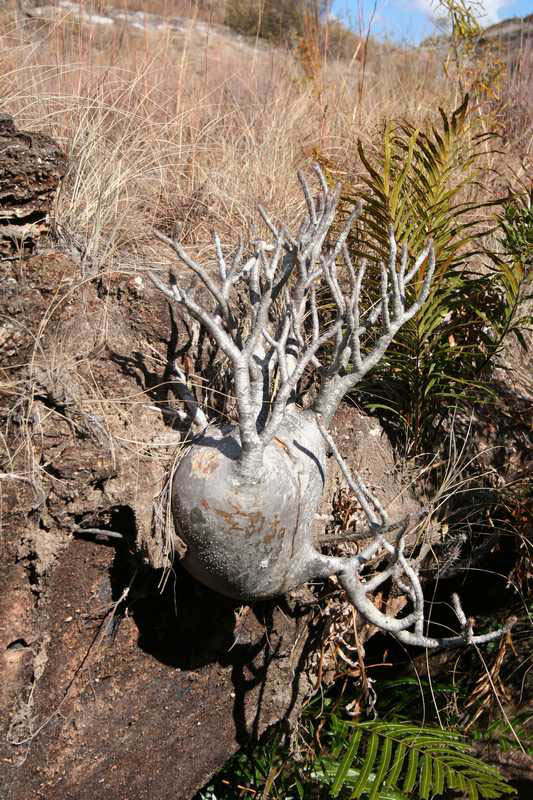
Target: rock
{"x": 142, "y": 22}
{"x": 31, "y": 167}
{"x": 511, "y": 34}
{"x": 133, "y": 707}
{"x": 121, "y": 681}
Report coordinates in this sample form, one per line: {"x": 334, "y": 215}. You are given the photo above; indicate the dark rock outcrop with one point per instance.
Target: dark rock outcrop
{"x": 31, "y": 167}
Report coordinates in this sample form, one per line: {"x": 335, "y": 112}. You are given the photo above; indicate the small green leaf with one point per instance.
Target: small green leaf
{"x": 412, "y": 768}
{"x": 347, "y": 761}
{"x": 425, "y": 776}
{"x": 370, "y": 757}
{"x": 386, "y": 755}
{"x": 438, "y": 777}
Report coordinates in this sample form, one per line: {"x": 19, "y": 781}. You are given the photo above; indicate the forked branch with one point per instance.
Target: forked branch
{"x": 285, "y": 333}
{"x": 411, "y": 629}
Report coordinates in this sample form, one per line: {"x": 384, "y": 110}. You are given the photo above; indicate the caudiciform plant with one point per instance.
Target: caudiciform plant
{"x": 245, "y": 496}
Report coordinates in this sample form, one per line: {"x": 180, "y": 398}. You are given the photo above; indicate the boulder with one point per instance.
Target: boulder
{"x": 31, "y": 168}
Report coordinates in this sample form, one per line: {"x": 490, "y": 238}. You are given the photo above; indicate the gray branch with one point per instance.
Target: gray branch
{"x": 392, "y": 312}
{"x": 282, "y": 278}
{"x": 411, "y": 628}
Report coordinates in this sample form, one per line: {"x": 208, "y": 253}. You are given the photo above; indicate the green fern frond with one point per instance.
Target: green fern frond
{"x": 414, "y": 185}
{"x": 401, "y": 759}
{"x": 421, "y": 183}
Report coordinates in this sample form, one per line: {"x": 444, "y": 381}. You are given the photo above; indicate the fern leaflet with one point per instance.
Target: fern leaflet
{"x": 401, "y": 759}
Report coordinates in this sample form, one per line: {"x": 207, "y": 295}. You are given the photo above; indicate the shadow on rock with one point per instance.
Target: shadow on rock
{"x": 188, "y": 627}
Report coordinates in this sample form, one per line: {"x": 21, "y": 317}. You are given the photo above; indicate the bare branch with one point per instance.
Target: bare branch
{"x": 213, "y": 324}
{"x": 198, "y": 417}
{"x": 335, "y": 384}
{"x": 198, "y": 270}
{"x": 292, "y": 269}
{"x": 376, "y": 516}
{"x": 403, "y": 572}
{"x": 206, "y": 318}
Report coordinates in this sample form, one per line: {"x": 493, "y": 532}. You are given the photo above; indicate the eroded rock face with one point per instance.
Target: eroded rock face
{"x": 144, "y": 698}
{"x": 31, "y": 167}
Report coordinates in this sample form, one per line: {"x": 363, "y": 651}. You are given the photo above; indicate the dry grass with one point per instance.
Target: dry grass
{"x": 170, "y": 127}
{"x": 162, "y": 128}
{"x": 212, "y": 11}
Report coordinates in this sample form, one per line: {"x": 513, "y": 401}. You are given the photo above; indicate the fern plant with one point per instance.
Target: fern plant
{"x": 397, "y": 760}
{"x": 416, "y": 183}
{"x": 377, "y": 760}
{"x": 516, "y": 224}
{"x": 418, "y": 186}
{"x": 512, "y": 265}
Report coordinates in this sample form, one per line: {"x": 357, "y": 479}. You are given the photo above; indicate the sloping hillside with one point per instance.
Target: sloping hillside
{"x": 122, "y": 678}
{"x": 510, "y": 35}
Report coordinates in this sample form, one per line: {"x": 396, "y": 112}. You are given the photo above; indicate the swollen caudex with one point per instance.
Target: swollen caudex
{"x": 249, "y": 538}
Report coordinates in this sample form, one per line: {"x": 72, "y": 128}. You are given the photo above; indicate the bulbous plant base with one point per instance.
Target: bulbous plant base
{"x": 250, "y": 538}
{"x": 246, "y": 513}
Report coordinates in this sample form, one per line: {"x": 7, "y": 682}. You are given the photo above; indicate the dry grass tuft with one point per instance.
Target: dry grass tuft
{"x": 153, "y": 121}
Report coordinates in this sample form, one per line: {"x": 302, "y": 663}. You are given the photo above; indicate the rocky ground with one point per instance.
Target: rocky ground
{"x": 123, "y": 679}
